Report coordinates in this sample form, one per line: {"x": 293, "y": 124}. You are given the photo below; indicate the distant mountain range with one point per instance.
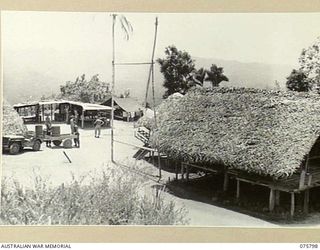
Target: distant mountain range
{"x": 21, "y": 84}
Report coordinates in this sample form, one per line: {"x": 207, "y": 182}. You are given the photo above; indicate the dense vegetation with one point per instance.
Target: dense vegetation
{"x": 110, "y": 198}
{"x": 180, "y": 74}
{"x": 307, "y": 78}
{"x": 92, "y": 91}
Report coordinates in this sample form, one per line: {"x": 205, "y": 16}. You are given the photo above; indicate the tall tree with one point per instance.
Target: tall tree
{"x": 93, "y": 91}
{"x": 310, "y": 64}
{"x": 298, "y": 81}
{"x": 215, "y": 75}
{"x": 177, "y": 68}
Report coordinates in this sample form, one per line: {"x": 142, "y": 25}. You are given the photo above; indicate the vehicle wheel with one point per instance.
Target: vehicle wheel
{"x": 14, "y": 148}
{"x": 36, "y": 146}
{"x": 67, "y": 143}
{"x": 57, "y": 143}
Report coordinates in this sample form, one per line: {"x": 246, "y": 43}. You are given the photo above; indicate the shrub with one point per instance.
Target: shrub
{"x": 113, "y": 198}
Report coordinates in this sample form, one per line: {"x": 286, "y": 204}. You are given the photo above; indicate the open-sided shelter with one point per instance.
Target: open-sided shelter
{"x": 268, "y": 138}
{"x": 61, "y": 110}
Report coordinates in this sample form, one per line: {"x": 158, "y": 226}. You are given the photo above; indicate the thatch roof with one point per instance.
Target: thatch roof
{"x": 148, "y": 120}
{"x": 258, "y": 131}
{"x": 11, "y": 121}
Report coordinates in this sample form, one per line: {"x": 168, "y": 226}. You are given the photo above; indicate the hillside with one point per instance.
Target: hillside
{"x": 21, "y": 83}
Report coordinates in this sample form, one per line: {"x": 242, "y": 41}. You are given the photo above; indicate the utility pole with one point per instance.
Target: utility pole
{"x": 112, "y": 85}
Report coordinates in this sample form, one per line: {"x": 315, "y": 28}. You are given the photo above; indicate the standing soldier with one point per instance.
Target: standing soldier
{"x": 77, "y": 139}
{"x": 97, "y": 127}
{"x": 72, "y": 124}
{"x": 49, "y": 129}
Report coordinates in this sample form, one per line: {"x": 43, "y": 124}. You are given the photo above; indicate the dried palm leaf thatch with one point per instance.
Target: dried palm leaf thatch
{"x": 12, "y": 122}
{"x": 149, "y": 121}
{"x": 259, "y": 131}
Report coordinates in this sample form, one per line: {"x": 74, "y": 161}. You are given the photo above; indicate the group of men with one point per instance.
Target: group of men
{"x": 98, "y": 123}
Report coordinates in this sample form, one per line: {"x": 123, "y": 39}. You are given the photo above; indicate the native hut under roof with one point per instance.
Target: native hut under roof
{"x": 259, "y": 131}
{"x": 264, "y": 137}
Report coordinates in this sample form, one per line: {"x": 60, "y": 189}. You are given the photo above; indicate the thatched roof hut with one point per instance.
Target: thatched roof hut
{"x": 12, "y": 122}
{"x": 258, "y": 131}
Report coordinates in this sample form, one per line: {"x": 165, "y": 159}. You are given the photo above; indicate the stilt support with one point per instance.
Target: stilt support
{"x": 271, "y": 199}
{"x": 187, "y": 172}
{"x": 225, "y": 181}
{"x": 306, "y": 201}
{"x": 182, "y": 171}
{"x": 292, "y": 204}
{"x": 176, "y": 169}
{"x": 238, "y": 189}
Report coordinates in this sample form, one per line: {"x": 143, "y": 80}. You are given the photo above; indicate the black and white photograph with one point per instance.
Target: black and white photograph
{"x": 180, "y": 119}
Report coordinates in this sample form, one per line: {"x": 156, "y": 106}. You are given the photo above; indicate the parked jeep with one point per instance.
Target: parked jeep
{"x": 16, "y": 143}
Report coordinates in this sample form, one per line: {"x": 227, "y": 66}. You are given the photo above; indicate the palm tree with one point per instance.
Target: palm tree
{"x": 215, "y": 75}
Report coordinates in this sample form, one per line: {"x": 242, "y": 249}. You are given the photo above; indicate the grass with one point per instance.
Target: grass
{"x": 113, "y": 197}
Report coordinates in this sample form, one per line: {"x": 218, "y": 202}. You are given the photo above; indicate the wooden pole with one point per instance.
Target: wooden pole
{"x": 153, "y": 162}
{"x": 271, "y": 199}
{"x": 82, "y": 119}
{"x": 159, "y": 164}
{"x": 238, "y": 189}
{"x": 65, "y": 154}
{"x": 176, "y": 169}
{"x": 51, "y": 112}
{"x": 306, "y": 201}
{"x": 112, "y": 85}
{"x": 302, "y": 179}
{"x": 182, "y": 171}
{"x": 187, "y": 172}
{"x": 292, "y": 204}
{"x": 151, "y": 70}
{"x": 225, "y": 181}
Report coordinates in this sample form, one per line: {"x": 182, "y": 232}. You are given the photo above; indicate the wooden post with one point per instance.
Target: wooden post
{"x": 277, "y": 201}
{"x": 309, "y": 179}
{"x": 113, "y": 83}
{"x": 159, "y": 164}
{"x": 187, "y": 172}
{"x": 82, "y": 119}
{"x": 225, "y": 181}
{"x": 306, "y": 201}
{"x": 152, "y": 156}
{"x": 51, "y": 112}
{"x": 302, "y": 179}
{"x": 42, "y": 113}
{"x": 271, "y": 199}
{"x": 292, "y": 204}
{"x": 238, "y": 189}
{"x": 176, "y": 169}
{"x": 182, "y": 171}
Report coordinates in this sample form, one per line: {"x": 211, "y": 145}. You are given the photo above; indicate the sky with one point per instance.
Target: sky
{"x": 63, "y": 45}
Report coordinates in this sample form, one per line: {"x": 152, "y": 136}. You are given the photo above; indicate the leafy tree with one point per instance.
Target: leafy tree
{"x": 310, "y": 63}
{"x": 298, "y": 81}
{"x": 215, "y": 75}
{"x": 93, "y": 91}
{"x": 177, "y": 68}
